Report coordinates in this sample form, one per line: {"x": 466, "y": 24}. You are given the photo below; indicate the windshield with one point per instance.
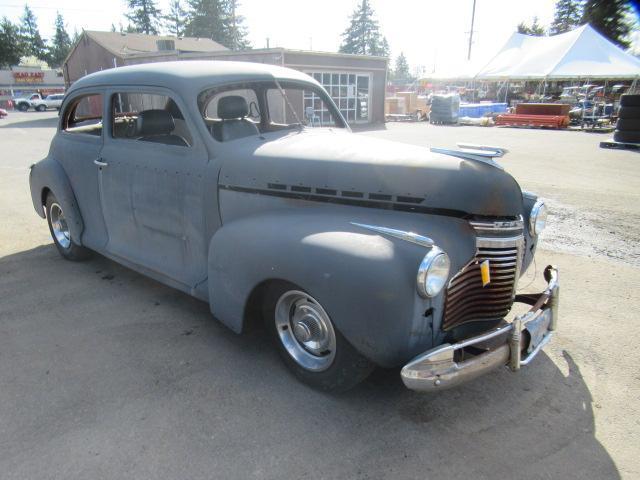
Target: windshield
{"x": 245, "y": 109}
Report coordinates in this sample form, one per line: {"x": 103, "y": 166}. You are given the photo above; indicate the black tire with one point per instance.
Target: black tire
{"x": 23, "y": 107}
{"x": 628, "y": 100}
{"x": 72, "y": 251}
{"x": 626, "y": 137}
{"x": 41, "y": 108}
{"x": 348, "y": 367}
{"x": 629, "y": 112}
{"x": 628, "y": 124}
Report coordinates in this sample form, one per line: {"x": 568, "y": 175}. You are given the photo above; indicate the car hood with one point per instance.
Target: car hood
{"x": 339, "y": 166}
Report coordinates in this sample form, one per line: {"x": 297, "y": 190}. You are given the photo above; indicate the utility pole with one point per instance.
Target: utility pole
{"x": 473, "y": 17}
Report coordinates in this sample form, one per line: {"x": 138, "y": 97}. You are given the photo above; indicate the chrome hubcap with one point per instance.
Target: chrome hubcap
{"x": 305, "y": 330}
{"x": 59, "y": 226}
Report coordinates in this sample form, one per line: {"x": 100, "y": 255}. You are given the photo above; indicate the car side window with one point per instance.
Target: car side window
{"x": 212, "y": 111}
{"x": 84, "y": 115}
{"x": 148, "y": 117}
{"x": 232, "y": 112}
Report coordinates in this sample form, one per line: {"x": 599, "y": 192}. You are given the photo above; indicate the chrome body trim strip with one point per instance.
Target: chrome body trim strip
{"x": 467, "y": 155}
{"x": 401, "y": 234}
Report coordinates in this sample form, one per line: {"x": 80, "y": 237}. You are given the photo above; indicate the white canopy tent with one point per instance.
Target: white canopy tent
{"x": 579, "y": 54}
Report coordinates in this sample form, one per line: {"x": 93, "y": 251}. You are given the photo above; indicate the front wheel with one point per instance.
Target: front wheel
{"x": 307, "y": 341}
{"x": 61, "y": 234}
{"x": 41, "y": 108}
{"x": 23, "y": 107}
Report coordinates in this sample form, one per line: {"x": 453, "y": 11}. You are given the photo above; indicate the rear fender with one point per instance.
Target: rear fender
{"x": 48, "y": 174}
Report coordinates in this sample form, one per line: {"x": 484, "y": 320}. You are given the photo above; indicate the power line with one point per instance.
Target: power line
{"x": 8, "y": 5}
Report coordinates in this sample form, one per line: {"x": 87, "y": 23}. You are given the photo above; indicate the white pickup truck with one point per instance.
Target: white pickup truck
{"x": 38, "y": 103}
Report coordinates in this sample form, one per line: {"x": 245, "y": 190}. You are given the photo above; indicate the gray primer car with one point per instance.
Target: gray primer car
{"x": 356, "y": 252}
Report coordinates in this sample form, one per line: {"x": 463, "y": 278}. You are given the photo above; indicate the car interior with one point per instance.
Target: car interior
{"x": 157, "y": 125}
{"x": 247, "y": 109}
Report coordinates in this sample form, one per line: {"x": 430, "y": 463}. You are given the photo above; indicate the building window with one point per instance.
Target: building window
{"x": 349, "y": 91}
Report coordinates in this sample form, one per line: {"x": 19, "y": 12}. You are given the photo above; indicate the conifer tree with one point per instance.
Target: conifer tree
{"x": 363, "y": 35}
{"x": 568, "y": 15}
{"x": 32, "y": 43}
{"x": 61, "y": 43}
{"x": 10, "y": 44}
{"x": 176, "y": 19}
{"x": 609, "y": 18}
{"x": 144, "y": 16}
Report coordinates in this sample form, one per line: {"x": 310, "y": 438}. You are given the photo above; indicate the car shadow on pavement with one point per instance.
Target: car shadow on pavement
{"x": 105, "y": 370}
{"x": 50, "y": 122}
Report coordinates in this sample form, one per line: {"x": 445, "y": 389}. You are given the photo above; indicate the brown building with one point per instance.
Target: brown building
{"x": 355, "y": 82}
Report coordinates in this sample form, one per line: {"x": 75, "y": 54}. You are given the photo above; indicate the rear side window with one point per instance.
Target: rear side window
{"x": 211, "y": 111}
{"x": 84, "y": 115}
{"x": 148, "y": 117}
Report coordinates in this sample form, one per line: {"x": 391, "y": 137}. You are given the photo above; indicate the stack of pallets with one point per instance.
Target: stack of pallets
{"x": 552, "y": 115}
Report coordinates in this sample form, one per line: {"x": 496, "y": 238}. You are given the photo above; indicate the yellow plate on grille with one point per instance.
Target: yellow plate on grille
{"x": 485, "y": 272}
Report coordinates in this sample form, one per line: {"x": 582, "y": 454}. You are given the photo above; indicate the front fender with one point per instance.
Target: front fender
{"x": 365, "y": 281}
{"x": 49, "y": 174}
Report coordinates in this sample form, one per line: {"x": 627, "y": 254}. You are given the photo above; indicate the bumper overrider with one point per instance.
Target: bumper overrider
{"x": 510, "y": 344}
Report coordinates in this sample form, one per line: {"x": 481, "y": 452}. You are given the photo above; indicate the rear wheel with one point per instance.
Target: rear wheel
{"x": 61, "y": 234}
{"x": 313, "y": 349}
{"x": 41, "y": 108}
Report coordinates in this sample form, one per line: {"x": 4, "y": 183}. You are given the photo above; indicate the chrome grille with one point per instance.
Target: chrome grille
{"x": 466, "y": 299}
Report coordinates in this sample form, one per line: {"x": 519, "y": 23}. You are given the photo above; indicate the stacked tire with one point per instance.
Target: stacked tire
{"x": 628, "y": 125}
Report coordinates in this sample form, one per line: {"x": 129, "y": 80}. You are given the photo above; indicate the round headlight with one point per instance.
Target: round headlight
{"x": 538, "y": 218}
{"x": 433, "y": 272}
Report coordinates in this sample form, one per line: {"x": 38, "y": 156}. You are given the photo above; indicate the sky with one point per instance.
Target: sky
{"x": 433, "y": 34}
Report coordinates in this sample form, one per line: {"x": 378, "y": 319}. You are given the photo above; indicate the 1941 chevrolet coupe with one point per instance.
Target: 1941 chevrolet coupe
{"x": 242, "y": 185}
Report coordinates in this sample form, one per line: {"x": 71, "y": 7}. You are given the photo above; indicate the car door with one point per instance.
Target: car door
{"x": 151, "y": 184}
{"x": 76, "y": 146}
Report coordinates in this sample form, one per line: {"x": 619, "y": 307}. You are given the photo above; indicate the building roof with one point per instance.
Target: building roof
{"x": 123, "y": 44}
{"x": 190, "y": 76}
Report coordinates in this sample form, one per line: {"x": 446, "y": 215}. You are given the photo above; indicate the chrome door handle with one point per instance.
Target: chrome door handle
{"x": 99, "y": 163}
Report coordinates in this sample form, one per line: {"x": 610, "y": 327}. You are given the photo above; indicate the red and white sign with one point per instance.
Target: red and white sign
{"x": 28, "y": 77}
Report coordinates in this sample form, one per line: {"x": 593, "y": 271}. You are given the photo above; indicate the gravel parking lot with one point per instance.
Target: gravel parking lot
{"x": 107, "y": 374}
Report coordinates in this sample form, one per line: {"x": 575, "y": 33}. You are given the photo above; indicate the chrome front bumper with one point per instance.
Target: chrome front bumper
{"x": 510, "y": 344}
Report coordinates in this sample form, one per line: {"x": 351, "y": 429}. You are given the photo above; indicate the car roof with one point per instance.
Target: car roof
{"x": 190, "y": 76}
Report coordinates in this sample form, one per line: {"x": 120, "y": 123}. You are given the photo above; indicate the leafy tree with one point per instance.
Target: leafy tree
{"x": 10, "y": 45}
{"x": 402, "y": 68}
{"x": 61, "y": 43}
{"x": 568, "y": 15}
{"x": 237, "y": 31}
{"x": 363, "y": 35}
{"x": 534, "y": 29}
{"x": 176, "y": 19}
{"x": 208, "y": 19}
{"x": 32, "y": 43}
{"x": 609, "y": 18}
{"x": 144, "y": 15}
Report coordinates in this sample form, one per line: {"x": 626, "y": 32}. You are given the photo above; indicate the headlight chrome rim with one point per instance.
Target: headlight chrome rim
{"x": 430, "y": 261}
{"x": 538, "y": 218}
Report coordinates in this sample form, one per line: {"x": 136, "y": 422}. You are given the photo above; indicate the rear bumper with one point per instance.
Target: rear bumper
{"x": 512, "y": 344}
